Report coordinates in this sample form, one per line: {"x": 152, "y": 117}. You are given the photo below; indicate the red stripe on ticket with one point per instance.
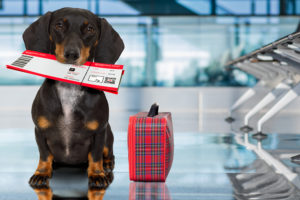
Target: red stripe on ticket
{"x": 106, "y": 77}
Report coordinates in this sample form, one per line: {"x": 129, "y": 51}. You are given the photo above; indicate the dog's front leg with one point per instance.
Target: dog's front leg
{"x": 40, "y": 178}
{"x": 108, "y": 155}
{"x": 96, "y": 173}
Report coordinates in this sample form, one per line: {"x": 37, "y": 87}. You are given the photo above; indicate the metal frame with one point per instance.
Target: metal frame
{"x": 268, "y": 99}
{"x": 278, "y": 66}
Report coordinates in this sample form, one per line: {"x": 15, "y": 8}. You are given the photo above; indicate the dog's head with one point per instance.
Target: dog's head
{"x": 74, "y": 36}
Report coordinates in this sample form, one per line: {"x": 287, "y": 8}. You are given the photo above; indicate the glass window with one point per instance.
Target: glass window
{"x": 233, "y": 7}
{"x": 116, "y": 7}
{"x": 33, "y": 7}
{"x": 201, "y": 7}
{"x": 297, "y": 7}
{"x": 57, "y": 4}
{"x": 167, "y": 51}
{"x": 274, "y": 9}
{"x": 15, "y": 7}
{"x": 260, "y": 7}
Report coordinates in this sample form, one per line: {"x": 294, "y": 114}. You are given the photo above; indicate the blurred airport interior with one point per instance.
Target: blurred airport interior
{"x": 168, "y": 43}
{"x": 175, "y": 54}
{"x": 170, "y": 46}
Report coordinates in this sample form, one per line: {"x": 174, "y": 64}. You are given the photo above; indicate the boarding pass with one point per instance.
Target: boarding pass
{"x": 106, "y": 77}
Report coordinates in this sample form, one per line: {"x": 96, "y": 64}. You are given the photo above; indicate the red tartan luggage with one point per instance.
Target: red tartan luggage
{"x": 150, "y": 145}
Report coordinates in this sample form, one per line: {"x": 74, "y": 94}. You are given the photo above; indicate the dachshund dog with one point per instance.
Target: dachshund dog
{"x": 71, "y": 121}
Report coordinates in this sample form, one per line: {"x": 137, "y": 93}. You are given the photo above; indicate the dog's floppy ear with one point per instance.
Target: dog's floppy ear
{"x": 36, "y": 36}
{"x": 110, "y": 45}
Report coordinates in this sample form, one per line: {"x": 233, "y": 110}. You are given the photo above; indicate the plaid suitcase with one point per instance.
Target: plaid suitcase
{"x": 150, "y": 145}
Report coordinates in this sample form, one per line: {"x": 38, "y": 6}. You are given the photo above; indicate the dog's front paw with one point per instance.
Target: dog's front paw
{"x": 108, "y": 166}
{"x": 39, "y": 181}
{"x": 98, "y": 182}
{"x": 109, "y": 175}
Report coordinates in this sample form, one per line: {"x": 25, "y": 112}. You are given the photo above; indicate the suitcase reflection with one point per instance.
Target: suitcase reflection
{"x": 149, "y": 191}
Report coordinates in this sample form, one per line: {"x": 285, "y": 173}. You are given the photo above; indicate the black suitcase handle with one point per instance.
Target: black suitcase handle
{"x": 153, "y": 110}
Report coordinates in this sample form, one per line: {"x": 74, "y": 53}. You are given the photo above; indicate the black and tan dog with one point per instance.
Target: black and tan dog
{"x": 71, "y": 121}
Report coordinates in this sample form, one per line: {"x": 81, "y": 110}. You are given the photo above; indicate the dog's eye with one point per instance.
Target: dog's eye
{"x": 59, "y": 26}
{"x": 90, "y": 29}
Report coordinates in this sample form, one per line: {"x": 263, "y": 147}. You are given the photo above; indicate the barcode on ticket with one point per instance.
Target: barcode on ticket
{"x": 22, "y": 61}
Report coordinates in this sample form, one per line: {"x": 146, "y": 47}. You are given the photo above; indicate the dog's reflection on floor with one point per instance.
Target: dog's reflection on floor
{"x": 47, "y": 194}
{"x": 69, "y": 184}
{"x": 43, "y": 193}
{"x": 72, "y": 184}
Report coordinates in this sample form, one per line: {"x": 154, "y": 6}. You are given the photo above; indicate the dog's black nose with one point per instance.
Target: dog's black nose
{"x": 71, "y": 55}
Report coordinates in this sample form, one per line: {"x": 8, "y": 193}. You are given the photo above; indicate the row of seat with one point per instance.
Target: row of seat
{"x": 277, "y": 67}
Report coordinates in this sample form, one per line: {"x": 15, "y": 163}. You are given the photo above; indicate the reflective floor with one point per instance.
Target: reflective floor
{"x": 206, "y": 166}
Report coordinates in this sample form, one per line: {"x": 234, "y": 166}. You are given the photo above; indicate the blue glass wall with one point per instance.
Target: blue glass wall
{"x": 163, "y": 50}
